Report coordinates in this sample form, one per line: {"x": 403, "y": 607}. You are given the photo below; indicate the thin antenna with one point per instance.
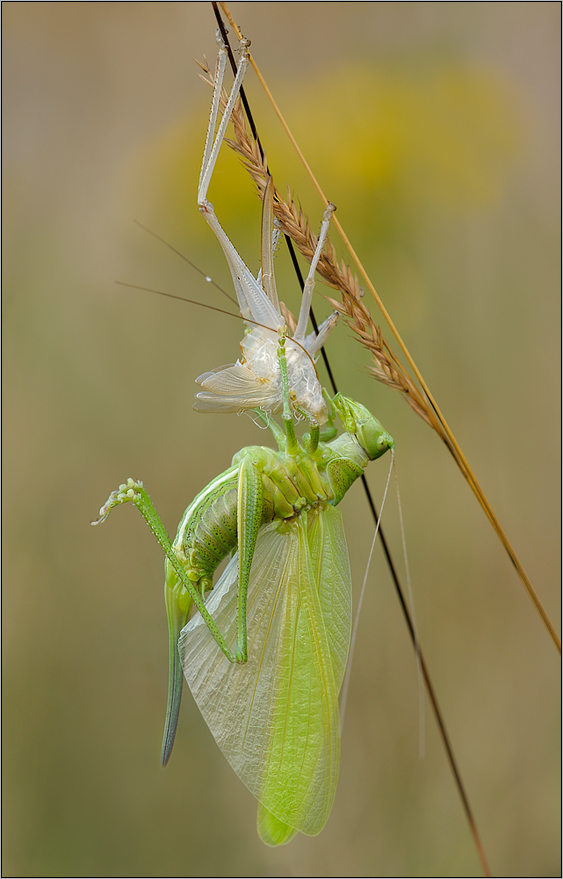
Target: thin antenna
{"x": 346, "y": 683}
{"x": 421, "y": 730}
{"x": 190, "y": 263}
{"x": 181, "y": 299}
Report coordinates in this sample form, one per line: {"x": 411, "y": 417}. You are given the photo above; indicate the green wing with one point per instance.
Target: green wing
{"x": 331, "y": 570}
{"x": 276, "y": 717}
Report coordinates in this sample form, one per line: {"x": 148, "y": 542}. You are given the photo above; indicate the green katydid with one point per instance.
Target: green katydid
{"x": 265, "y": 656}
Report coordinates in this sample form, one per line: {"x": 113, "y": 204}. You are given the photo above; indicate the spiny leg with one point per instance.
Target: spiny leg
{"x": 135, "y": 492}
{"x": 253, "y": 304}
{"x": 212, "y": 151}
{"x": 310, "y": 281}
{"x": 220, "y": 65}
{"x": 268, "y": 239}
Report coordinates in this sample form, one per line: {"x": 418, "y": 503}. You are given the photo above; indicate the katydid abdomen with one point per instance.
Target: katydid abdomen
{"x": 262, "y": 486}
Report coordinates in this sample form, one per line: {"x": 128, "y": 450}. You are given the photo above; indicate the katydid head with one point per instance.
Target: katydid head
{"x": 358, "y": 421}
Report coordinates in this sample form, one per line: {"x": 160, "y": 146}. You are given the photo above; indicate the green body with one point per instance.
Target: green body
{"x": 265, "y": 653}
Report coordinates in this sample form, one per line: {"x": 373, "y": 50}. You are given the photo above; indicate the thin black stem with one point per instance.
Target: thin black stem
{"x": 392, "y": 569}
{"x": 233, "y": 63}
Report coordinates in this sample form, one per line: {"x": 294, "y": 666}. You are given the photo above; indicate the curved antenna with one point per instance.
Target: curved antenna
{"x": 189, "y": 262}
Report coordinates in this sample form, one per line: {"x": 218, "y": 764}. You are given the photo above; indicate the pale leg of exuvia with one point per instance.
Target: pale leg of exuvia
{"x": 213, "y": 142}
{"x": 212, "y": 146}
{"x": 254, "y": 305}
{"x": 300, "y": 330}
{"x": 269, "y": 237}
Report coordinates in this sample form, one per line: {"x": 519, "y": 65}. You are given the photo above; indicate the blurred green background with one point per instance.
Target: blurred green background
{"x": 434, "y": 127}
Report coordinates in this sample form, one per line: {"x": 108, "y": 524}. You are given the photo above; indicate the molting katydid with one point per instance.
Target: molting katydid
{"x": 264, "y": 650}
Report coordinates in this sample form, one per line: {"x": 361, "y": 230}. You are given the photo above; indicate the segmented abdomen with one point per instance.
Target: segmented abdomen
{"x": 208, "y": 529}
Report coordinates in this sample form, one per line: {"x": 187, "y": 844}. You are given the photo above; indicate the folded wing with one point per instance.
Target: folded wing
{"x": 275, "y": 717}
